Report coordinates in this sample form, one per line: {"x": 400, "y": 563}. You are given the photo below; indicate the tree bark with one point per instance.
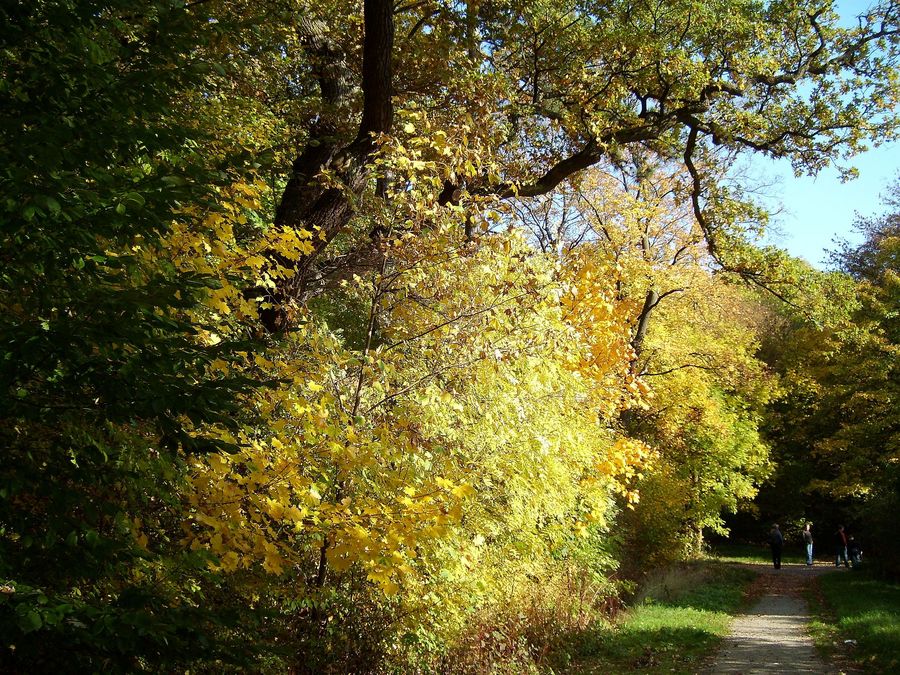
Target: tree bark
{"x": 650, "y": 301}
{"x": 309, "y": 202}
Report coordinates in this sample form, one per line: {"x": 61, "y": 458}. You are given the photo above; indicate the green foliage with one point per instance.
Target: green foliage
{"x": 453, "y": 423}
{"x": 836, "y": 425}
{"x": 103, "y": 381}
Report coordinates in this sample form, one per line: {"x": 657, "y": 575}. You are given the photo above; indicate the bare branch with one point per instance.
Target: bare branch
{"x": 453, "y": 319}
{"x": 696, "y": 192}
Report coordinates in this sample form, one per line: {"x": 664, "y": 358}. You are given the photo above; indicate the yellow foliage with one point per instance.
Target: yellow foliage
{"x": 494, "y": 381}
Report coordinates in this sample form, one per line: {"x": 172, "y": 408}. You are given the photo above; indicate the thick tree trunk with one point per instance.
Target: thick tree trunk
{"x": 309, "y": 203}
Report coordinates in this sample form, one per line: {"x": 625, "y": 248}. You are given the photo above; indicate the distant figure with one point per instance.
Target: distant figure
{"x": 776, "y": 541}
{"x": 840, "y": 547}
{"x": 854, "y": 551}
{"x": 808, "y": 540}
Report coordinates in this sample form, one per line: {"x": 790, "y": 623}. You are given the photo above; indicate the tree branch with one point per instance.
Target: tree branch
{"x": 696, "y": 191}
{"x": 672, "y": 370}
{"x": 422, "y": 380}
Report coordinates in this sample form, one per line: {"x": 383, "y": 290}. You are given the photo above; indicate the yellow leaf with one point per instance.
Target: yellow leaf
{"x": 272, "y": 563}
{"x": 463, "y": 490}
{"x": 218, "y": 464}
{"x": 274, "y": 509}
{"x": 215, "y": 543}
{"x": 230, "y": 561}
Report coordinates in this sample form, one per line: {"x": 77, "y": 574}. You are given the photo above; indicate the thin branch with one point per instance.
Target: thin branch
{"x": 752, "y": 278}
{"x": 672, "y": 370}
{"x": 663, "y": 295}
{"x": 453, "y": 319}
{"x": 421, "y": 22}
{"x": 696, "y": 191}
{"x": 411, "y": 6}
{"x": 421, "y": 380}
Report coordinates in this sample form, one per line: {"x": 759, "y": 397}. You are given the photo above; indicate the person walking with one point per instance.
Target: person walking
{"x": 776, "y": 541}
{"x": 808, "y": 542}
{"x": 840, "y": 547}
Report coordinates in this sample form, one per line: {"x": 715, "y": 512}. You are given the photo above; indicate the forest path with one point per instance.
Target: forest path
{"x": 772, "y": 637}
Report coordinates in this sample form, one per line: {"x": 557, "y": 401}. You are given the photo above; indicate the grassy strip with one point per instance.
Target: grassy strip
{"x": 856, "y": 606}
{"x": 748, "y": 553}
{"x": 678, "y": 623}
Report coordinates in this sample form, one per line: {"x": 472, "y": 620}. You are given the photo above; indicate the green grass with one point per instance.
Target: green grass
{"x": 748, "y": 553}
{"x": 680, "y": 620}
{"x": 856, "y": 606}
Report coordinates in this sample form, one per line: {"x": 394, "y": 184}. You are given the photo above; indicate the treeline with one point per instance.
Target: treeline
{"x": 834, "y": 430}
{"x": 401, "y": 337}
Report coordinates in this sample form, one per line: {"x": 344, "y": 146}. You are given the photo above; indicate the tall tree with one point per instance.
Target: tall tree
{"x": 549, "y": 89}
{"x": 105, "y": 379}
{"x": 836, "y": 427}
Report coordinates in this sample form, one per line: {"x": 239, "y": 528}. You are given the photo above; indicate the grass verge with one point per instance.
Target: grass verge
{"x": 749, "y": 553}
{"x": 854, "y": 606}
{"x": 681, "y": 618}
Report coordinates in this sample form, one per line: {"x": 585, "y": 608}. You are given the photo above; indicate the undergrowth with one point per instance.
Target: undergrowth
{"x": 678, "y": 619}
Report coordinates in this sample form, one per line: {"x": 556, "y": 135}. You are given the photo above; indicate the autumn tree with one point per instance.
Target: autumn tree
{"x": 694, "y": 336}
{"x": 540, "y": 92}
{"x": 835, "y": 428}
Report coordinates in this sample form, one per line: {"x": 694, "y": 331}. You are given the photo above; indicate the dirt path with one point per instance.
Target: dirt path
{"x": 771, "y": 637}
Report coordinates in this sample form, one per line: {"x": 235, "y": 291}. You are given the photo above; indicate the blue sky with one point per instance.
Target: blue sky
{"x": 817, "y": 210}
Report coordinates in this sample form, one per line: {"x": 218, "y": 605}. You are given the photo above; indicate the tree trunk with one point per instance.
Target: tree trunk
{"x": 650, "y": 301}
{"x": 308, "y": 202}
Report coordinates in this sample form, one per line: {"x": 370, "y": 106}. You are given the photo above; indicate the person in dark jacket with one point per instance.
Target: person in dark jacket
{"x": 776, "y": 541}
{"x": 840, "y": 547}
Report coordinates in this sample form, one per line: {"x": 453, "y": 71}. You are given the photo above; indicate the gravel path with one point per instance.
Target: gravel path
{"x": 771, "y": 637}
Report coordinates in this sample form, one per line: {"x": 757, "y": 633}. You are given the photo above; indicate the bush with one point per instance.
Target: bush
{"x": 534, "y": 625}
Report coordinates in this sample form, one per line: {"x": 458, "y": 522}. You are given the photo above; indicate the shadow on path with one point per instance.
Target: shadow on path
{"x": 771, "y": 637}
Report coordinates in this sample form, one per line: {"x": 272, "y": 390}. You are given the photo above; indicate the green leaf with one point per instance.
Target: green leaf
{"x": 52, "y": 204}
{"x": 134, "y": 198}
{"x": 30, "y": 622}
